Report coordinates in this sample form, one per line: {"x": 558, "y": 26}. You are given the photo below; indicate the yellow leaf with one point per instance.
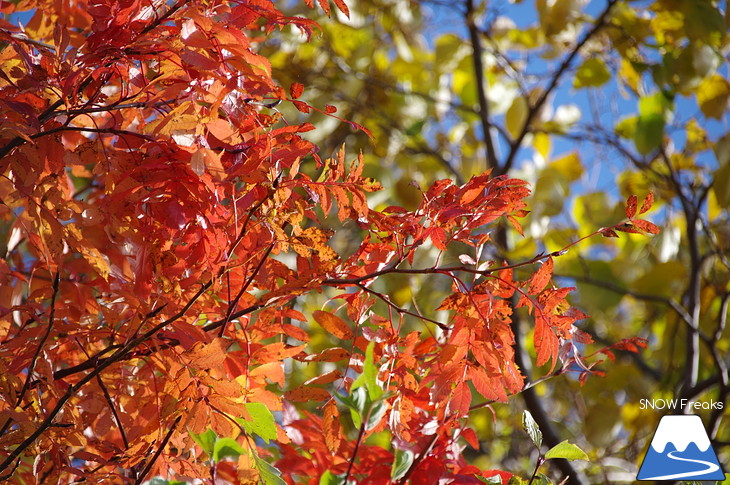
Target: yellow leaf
{"x": 713, "y": 94}
{"x": 541, "y": 143}
{"x": 569, "y": 166}
{"x": 516, "y": 116}
{"x": 96, "y": 260}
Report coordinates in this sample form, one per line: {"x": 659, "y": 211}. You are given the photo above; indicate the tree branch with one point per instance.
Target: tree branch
{"x": 478, "y": 53}
{"x": 72, "y": 390}
{"x": 34, "y": 359}
{"x": 535, "y": 109}
{"x": 157, "y": 454}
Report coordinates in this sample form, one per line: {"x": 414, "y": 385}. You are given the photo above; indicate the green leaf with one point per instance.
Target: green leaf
{"x": 649, "y": 132}
{"x": 205, "y": 440}
{"x": 357, "y": 403}
{"x": 262, "y": 422}
{"x": 493, "y": 479}
{"x": 369, "y": 376}
{"x": 377, "y": 411}
{"x": 226, "y": 447}
{"x": 532, "y": 429}
{"x": 268, "y": 473}
{"x": 626, "y": 127}
{"x": 327, "y": 478}
{"x": 402, "y": 462}
{"x": 162, "y": 481}
{"x": 721, "y": 186}
{"x": 593, "y": 72}
{"x": 566, "y": 450}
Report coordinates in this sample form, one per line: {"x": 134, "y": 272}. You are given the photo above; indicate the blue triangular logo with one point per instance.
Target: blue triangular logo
{"x": 680, "y": 449}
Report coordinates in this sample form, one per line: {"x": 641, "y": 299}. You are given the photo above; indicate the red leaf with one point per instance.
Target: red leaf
{"x": 333, "y": 324}
{"x": 504, "y": 476}
{"x": 648, "y": 202}
{"x": 296, "y": 90}
{"x": 302, "y": 106}
{"x": 460, "y": 399}
{"x": 608, "y": 232}
{"x": 541, "y": 277}
{"x": 627, "y": 228}
{"x": 343, "y": 7}
{"x": 438, "y": 236}
{"x": 329, "y": 109}
{"x": 646, "y": 226}
{"x": 631, "y": 206}
{"x": 516, "y": 225}
{"x": 471, "y": 437}
{"x": 546, "y": 342}
{"x": 325, "y": 4}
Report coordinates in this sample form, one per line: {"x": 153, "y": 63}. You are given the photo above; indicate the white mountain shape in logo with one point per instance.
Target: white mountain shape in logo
{"x": 680, "y": 431}
{"x": 680, "y": 449}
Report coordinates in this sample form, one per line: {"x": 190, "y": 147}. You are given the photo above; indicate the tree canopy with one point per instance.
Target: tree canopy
{"x": 245, "y": 242}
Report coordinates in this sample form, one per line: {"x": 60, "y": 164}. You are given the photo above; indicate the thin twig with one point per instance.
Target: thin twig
{"x": 486, "y": 122}
{"x": 402, "y": 310}
{"x": 117, "y": 356}
{"x": 535, "y": 108}
{"x": 360, "y": 435}
{"x": 31, "y": 366}
{"x": 232, "y": 305}
{"x": 157, "y": 454}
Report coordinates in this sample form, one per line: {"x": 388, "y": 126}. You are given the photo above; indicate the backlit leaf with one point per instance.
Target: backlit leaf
{"x": 296, "y": 90}
{"x": 531, "y": 428}
{"x": 333, "y": 324}
{"x": 566, "y": 450}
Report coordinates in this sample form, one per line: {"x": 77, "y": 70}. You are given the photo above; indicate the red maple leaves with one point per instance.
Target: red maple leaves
{"x": 164, "y": 232}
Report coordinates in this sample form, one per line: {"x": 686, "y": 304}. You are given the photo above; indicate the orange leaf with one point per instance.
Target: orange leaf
{"x": 648, "y": 202}
{"x": 325, "y": 378}
{"x": 541, "y": 277}
{"x": 333, "y": 324}
{"x": 546, "y": 342}
{"x": 460, "y": 399}
{"x": 631, "y": 203}
{"x": 296, "y": 90}
{"x": 490, "y": 388}
{"x": 305, "y": 394}
{"x": 516, "y": 225}
{"x": 333, "y": 354}
{"x": 207, "y": 356}
{"x": 331, "y": 427}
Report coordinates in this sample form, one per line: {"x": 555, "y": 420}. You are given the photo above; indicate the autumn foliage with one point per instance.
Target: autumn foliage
{"x": 164, "y": 223}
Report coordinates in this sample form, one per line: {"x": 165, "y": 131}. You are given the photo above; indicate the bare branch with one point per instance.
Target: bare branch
{"x": 554, "y": 81}
{"x": 478, "y": 53}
